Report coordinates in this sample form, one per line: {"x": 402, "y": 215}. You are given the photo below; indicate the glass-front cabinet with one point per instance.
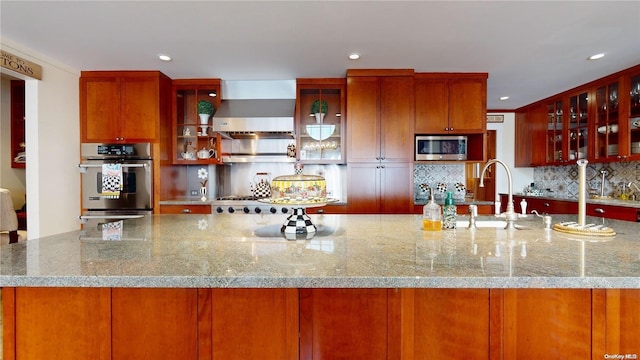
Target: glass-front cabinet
{"x": 634, "y": 116}
{"x": 578, "y": 126}
{"x": 554, "y": 131}
{"x": 607, "y": 136}
{"x": 320, "y": 120}
{"x": 195, "y": 139}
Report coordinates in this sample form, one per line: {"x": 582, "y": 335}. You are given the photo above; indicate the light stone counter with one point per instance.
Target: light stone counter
{"x": 349, "y": 251}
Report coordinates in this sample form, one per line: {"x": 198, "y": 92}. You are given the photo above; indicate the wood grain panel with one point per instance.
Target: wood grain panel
{"x": 99, "y": 108}
{"x": 396, "y": 118}
{"x": 432, "y": 106}
{"x": 363, "y": 114}
{"x": 255, "y": 324}
{"x": 62, "y": 323}
{"x": 451, "y": 322}
{"x": 343, "y": 324}
{"x": 547, "y": 323}
{"x": 154, "y": 323}
{"x": 616, "y": 322}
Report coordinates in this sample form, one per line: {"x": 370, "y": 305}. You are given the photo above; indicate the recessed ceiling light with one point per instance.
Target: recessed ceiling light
{"x": 164, "y": 57}
{"x": 504, "y": 98}
{"x": 596, "y": 56}
{"x": 354, "y": 56}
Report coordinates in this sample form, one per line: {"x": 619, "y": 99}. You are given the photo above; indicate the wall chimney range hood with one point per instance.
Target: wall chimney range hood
{"x": 265, "y": 118}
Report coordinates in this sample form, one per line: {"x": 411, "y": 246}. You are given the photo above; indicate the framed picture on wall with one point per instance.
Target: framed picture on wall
{"x": 495, "y": 118}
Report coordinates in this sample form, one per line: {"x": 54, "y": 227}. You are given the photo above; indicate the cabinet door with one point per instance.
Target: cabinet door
{"x": 396, "y": 184}
{"x": 547, "y": 324}
{"x": 363, "y": 188}
{"x": 396, "y": 118}
{"x": 363, "y": 126}
{"x": 467, "y": 106}
{"x": 432, "y": 106}
{"x": 99, "y": 108}
{"x": 616, "y": 315}
{"x": 254, "y": 324}
{"x": 60, "y": 323}
{"x": 448, "y": 321}
{"x": 154, "y": 323}
{"x": 140, "y": 108}
{"x": 344, "y": 324}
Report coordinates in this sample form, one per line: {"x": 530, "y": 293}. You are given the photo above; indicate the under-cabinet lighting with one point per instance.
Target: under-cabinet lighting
{"x": 164, "y": 57}
{"x": 354, "y": 56}
{"x": 596, "y": 56}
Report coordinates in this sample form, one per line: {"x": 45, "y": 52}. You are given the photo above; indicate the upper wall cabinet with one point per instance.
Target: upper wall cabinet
{"x": 450, "y": 103}
{"x": 320, "y": 120}
{"x": 123, "y": 106}
{"x": 381, "y": 115}
{"x": 598, "y": 121}
{"x": 193, "y": 137}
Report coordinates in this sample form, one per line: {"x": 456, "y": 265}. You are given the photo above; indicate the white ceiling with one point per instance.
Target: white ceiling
{"x": 531, "y": 49}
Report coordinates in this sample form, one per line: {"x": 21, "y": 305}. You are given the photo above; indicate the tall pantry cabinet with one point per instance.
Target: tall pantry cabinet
{"x": 380, "y": 113}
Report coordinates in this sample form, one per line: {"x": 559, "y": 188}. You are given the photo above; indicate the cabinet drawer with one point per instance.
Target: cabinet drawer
{"x": 185, "y": 209}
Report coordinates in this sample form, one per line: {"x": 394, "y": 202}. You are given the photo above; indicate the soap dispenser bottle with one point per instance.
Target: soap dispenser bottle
{"x": 431, "y": 216}
{"x": 449, "y": 220}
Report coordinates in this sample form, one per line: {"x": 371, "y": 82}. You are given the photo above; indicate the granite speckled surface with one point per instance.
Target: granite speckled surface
{"x": 348, "y": 251}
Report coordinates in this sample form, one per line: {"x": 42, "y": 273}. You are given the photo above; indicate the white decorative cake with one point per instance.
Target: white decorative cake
{"x": 299, "y": 189}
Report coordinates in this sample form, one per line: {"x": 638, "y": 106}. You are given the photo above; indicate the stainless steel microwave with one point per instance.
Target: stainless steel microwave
{"x": 441, "y": 147}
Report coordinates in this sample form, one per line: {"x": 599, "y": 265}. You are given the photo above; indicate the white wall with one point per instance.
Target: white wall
{"x": 505, "y": 151}
{"x": 53, "y": 149}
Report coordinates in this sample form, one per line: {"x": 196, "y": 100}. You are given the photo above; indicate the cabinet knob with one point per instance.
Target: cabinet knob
{"x": 186, "y": 211}
{"x": 450, "y": 129}
{"x": 546, "y": 204}
{"x": 599, "y": 210}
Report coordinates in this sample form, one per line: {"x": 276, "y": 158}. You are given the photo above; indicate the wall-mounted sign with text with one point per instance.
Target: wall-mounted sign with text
{"x": 20, "y": 65}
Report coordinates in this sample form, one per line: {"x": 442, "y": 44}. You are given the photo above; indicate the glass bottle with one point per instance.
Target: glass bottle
{"x": 449, "y": 220}
{"x": 431, "y": 216}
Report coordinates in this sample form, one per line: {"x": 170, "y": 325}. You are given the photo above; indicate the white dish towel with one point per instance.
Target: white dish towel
{"x": 111, "y": 181}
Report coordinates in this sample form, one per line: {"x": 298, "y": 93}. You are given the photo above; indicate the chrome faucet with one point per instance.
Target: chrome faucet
{"x": 510, "y": 215}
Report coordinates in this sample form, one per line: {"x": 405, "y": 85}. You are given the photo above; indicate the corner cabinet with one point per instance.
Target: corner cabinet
{"x": 320, "y": 120}
{"x": 123, "y": 106}
{"x": 380, "y": 112}
{"x": 453, "y": 104}
{"x": 193, "y": 141}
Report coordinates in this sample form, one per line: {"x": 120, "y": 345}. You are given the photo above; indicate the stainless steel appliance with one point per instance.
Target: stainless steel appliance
{"x": 440, "y": 147}
{"x": 134, "y": 199}
{"x": 246, "y": 205}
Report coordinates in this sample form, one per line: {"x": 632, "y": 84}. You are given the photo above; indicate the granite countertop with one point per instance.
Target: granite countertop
{"x": 350, "y": 251}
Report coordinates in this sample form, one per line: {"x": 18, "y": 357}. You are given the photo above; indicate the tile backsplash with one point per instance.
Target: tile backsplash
{"x": 563, "y": 180}
{"x": 432, "y": 175}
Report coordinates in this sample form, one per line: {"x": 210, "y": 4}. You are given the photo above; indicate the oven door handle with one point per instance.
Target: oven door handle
{"x": 83, "y": 167}
{"x": 84, "y": 218}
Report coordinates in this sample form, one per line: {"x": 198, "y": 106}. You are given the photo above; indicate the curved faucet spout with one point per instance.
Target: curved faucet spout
{"x": 510, "y": 214}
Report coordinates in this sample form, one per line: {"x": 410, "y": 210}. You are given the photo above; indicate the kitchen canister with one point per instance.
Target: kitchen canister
{"x": 262, "y": 185}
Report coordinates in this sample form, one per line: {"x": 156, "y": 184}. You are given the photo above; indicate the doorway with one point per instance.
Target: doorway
{"x": 472, "y": 171}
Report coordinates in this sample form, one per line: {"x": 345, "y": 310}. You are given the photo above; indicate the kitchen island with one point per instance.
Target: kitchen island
{"x": 374, "y": 286}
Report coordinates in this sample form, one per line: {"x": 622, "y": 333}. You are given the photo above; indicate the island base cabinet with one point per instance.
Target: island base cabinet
{"x": 251, "y": 324}
{"x": 155, "y": 323}
{"x": 56, "y": 323}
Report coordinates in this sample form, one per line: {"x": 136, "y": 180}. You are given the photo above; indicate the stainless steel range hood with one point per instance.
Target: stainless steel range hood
{"x": 264, "y": 118}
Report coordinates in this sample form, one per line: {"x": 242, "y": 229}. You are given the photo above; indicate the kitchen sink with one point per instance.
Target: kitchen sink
{"x": 489, "y": 224}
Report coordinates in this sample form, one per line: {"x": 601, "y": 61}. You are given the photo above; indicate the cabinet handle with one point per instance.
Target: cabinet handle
{"x": 599, "y": 210}
{"x": 450, "y": 129}
{"x": 382, "y": 166}
{"x": 382, "y": 158}
{"x": 545, "y": 204}
{"x": 186, "y": 211}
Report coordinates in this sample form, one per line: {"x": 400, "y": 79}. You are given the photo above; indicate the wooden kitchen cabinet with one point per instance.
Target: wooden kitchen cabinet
{"x": 186, "y": 209}
{"x": 380, "y": 112}
{"x": 380, "y": 109}
{"x": 541, "y": 205}
{"x": 451, "y": 103}
{"x": 188, "y": 137}
{"x": 123, "y": 106}
{"x": 380, "y": 188}
{"x": 321, "y": 140}
{"x": 614, "y": 212}
{"x": 345, "y": 323}
{"x": 530, "y": 136}
{"x": 154, "y": 323}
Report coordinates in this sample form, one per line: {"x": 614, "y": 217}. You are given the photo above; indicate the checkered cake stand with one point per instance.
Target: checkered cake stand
{"x": 299, "y": 222}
